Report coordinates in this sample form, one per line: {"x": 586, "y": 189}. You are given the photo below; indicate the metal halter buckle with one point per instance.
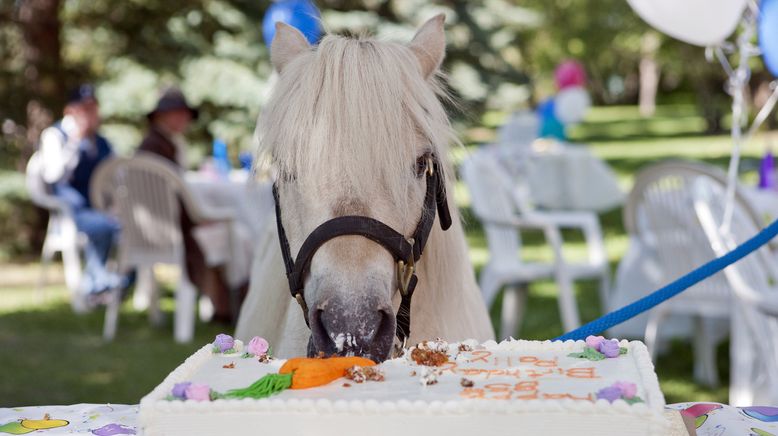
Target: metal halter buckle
{"x": 405, "y": 272}
{"x": 430, "y": 166}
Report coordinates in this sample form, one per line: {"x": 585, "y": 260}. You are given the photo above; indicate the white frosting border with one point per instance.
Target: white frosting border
{"x": 155, "y": 403}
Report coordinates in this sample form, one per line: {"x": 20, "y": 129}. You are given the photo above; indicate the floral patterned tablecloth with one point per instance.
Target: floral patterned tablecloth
{"x": 710, "y": 419}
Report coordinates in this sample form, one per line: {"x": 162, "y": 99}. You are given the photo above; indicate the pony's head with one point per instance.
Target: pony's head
{"x": 347, "y": 129}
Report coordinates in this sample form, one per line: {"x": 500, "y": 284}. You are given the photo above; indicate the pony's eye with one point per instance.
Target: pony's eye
{"x": 421, "y": 165}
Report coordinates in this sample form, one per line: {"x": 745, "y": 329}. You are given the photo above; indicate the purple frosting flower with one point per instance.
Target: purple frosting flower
{"x": 258, "y": 346}
{"x": 179, "y": 390}
{"x": 198, "y": 392}
{"x": 628, "y": 390}
{"x": 610, "y": 348}
{"x": 611, "y": 393}
{"x": 594, "y": 341}
{"x": 223, "y": 342}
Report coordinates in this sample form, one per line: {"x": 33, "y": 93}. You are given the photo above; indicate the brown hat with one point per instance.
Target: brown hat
{"x": 172, "y": 99}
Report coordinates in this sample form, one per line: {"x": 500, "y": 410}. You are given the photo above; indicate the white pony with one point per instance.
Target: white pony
{"x": 344, "y": 128}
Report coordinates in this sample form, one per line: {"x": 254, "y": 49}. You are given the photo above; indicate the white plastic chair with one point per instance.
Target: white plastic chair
{"x": 660, "y": 214}
{"x": 496, "y": 205}
{"x": 754, "y": 326}
{"x": 61, "y": 233}
{"x": 144, "y": 193}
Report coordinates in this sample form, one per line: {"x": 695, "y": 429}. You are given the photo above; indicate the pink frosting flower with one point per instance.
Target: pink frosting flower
{"x": 610, "y": 348}
{"x": 594, "y": 341}
{"x": 198, "y": 392}
{"x": 258, "y": 346}
{"x": 628, "y": 390}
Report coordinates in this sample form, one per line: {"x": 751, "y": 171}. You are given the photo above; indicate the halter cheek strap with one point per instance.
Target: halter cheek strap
{"x": 405, "y": 251}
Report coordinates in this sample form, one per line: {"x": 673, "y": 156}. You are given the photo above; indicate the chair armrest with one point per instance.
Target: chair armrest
{"x": 589, "y": 225}
{"x": 550, "y": 232}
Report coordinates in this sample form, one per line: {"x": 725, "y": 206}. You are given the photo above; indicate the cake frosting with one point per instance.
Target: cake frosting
{"x": 511, "y": 387}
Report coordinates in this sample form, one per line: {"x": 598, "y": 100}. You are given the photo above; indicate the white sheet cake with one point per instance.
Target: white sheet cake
{"x": 514, "y": 387}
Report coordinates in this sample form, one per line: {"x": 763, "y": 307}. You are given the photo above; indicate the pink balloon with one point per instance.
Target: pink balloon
{"x": 569, "y": 73}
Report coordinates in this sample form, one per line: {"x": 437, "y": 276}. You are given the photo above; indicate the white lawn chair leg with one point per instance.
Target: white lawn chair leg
{"x": 705, "y": 370}
{"x": 47, "y": 254}
{"x": 147, "y": 280}
{"x": 489, "y": 285}
{"x": 655, "y": 318}
{"x": 741, "y": 354}
{"x": 186, "y": 297}
{"x": 568, "y": 307}
{"x": 605, "y": 289}
{"x": 111, "y": 322}
{"x": 205, "y": 308}
{"x": 72, "y": 265}
{"x": 513, "y": 302}
{"x": 144, "y": 290}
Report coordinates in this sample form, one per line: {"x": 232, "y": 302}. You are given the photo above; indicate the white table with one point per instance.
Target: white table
{"x": 249, "y": 202}
{"x": 563, "y": 176}
{"x": 115, "y": 419}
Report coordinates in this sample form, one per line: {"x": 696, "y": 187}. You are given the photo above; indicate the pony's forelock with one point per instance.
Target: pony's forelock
{"x": 352, "y": 110}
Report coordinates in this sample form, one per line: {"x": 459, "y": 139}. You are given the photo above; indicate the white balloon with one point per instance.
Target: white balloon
{"x": 698, "y": 22}
{"x": 571, "y": 104}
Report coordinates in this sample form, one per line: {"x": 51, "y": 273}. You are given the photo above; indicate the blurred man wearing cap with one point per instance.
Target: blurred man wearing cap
{"x": 168, "y": 123}
{"x": 71, "y": 149}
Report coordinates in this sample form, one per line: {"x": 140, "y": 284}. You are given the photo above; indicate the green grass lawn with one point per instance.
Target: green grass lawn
{"x": 48, "y": 355}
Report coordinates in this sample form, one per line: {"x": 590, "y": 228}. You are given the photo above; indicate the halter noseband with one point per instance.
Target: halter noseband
{"x": 406, "y": 251}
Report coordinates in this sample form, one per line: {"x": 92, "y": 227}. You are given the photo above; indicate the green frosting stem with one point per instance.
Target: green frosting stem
{"x": 268, "y": 385}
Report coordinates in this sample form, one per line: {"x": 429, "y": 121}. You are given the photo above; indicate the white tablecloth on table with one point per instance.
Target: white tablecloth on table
{"x": 232, "y": 244}
{"x": 712, "y": 419}
{"x": 563, "y": 176}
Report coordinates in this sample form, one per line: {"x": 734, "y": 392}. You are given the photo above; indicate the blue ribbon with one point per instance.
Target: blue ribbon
{"x": 685, "y": 282}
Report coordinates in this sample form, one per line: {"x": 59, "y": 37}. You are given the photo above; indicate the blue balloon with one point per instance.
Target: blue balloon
{"x": 550, "y": 126}
{"x": 768, "y": 34}
{"x": 301, "y": 14}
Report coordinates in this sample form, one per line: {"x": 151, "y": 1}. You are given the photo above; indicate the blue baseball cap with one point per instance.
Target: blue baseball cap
{"x": 81, "y": 94}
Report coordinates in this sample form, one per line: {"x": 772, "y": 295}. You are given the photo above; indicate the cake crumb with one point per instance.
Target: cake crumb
{"x": 346, "y": 385}
{"x": 429, "y": 376}
{"x": 466, "y": 383}
{"x": 360, "y": 374}
{"x": 413, "y": 374}
{"x": 230, "y": 365}
{"x": 265, "y": 358}
{"x": 465, "y": 347}
{"x": 428, "y": 357}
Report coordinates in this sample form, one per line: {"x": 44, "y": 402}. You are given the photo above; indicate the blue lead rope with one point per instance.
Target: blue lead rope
{"x": 655, "y": 298}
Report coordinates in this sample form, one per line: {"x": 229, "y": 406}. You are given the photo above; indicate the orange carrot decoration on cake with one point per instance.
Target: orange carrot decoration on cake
{"x": 311, "y": 372}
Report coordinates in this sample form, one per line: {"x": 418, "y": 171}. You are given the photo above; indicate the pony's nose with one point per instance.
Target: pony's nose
{"x": 353, "y": 328}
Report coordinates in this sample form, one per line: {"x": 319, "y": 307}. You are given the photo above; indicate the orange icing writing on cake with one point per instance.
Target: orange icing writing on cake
{"x": 526, "y": 390}
{"x": 588, "y": 372}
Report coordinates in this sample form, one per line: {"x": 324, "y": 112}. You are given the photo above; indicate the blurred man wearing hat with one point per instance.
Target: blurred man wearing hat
{"x": 168, "y": 123}
{"x": 71, "y": 149}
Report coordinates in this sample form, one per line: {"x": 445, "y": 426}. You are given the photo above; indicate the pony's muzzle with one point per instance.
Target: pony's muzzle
{"x": 357, "y": 326}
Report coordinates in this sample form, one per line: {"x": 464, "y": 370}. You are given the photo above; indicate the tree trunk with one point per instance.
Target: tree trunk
{"x": 40, "y": 26}
{"x": 649, "y": 74}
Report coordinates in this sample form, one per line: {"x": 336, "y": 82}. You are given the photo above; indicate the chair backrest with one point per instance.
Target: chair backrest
{"x": 520, "y": 129}
{"x": 143, "y": 193}
{"x": 36, "y": 187}
{"x": 491, "y": 199}
{"x": 660, "y": 212}
{"x": 753, "y": 280}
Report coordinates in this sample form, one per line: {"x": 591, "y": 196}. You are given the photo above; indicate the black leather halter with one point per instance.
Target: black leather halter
{"x": 406, "y": 251}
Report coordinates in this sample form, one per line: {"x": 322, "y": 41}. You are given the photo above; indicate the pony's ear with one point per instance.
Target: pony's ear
{"x": 429, "y": 44}
{"x": 288, "y": 43}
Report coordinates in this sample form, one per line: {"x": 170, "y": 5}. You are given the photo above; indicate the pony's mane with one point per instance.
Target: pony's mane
{"x": 354, "y": 109}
